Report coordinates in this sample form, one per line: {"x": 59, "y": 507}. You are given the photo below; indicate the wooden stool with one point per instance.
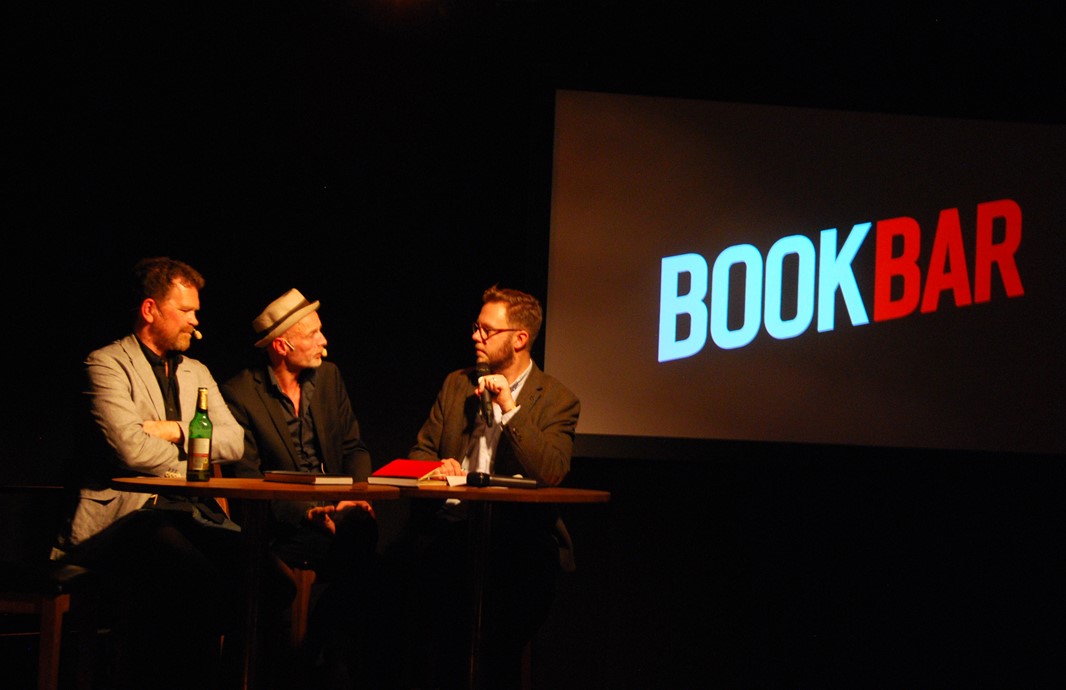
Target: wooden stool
{"x": 527, "y": 666}
{"x": 301, "y": 604}
{"x": 303, "y": 577}
{"x": 46, "y": 590}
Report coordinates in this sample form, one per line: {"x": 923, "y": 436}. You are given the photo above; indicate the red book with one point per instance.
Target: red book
{"x": 406, "y": 472}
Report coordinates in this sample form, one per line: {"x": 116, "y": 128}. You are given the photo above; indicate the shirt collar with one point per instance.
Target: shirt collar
{"x": 517, "y": 385}
{"x": 307, "y": 376}
{"x": 155, "y": 360}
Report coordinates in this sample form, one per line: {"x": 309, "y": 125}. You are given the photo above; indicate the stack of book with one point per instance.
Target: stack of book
{"x": 295, "y": 477}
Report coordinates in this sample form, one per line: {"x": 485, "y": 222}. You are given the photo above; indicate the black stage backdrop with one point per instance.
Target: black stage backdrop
{"x": 393, "y": 160}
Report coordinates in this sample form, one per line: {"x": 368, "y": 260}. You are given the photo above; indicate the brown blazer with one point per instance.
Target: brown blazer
{"x": 537, "y": 442}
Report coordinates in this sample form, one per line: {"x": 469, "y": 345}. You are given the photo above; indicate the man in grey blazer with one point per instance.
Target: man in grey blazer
{"x": 506, "y": 417}
{"x": 128, "y": 405}
{"x": 170, "y": 567}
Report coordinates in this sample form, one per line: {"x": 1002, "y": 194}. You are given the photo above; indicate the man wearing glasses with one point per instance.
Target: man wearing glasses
{"x": 524, "y": 426}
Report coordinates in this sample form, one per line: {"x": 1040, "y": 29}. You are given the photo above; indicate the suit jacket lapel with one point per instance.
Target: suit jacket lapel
{"x": 532, "y": 388}
{"x": 146, "y": 377}
{"x": 187, "y": 385}
{"x": 263, "y": 386}
{"x": 329, "y": 463}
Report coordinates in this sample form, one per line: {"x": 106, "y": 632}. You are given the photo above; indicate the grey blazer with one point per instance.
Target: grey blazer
{"x": 123, "y": 393}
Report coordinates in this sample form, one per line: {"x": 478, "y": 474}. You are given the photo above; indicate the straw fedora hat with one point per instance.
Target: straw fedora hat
{"x": 280, "y": 315}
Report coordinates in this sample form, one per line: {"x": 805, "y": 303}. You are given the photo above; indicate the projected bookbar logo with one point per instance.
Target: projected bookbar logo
{"x": 824, "y": 272}
{"x": 761, "y": 274}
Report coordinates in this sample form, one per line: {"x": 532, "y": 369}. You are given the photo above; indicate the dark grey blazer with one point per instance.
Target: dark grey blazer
{"x": 267, "y": 442}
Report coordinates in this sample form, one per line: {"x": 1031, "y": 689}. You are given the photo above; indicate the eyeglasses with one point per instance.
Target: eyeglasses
{"x": 486, "y": 333}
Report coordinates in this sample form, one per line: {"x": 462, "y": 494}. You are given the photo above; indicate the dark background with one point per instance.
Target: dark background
{"x": 393, "y": 159}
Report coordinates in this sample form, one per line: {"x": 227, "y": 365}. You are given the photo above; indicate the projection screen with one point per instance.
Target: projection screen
{"x": 728, "y": 271}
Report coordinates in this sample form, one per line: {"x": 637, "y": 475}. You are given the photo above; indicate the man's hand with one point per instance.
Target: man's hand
{"x": 362, "y": 505}
{"x": 498, "y": 388}
{"x": 451, "y": 467}
{"x": 322, "y": 516}
{"x": 166, "y": 430}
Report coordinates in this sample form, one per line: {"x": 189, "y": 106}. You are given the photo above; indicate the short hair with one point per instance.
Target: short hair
{"x": 152, "y": 278}
{"x": 523, "y": 309}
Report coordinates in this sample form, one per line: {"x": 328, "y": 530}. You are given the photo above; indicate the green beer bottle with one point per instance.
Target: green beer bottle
{"x": 199, "y": 467}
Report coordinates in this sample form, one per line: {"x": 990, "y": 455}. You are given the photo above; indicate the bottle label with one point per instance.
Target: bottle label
{"x": 199, "y": 454}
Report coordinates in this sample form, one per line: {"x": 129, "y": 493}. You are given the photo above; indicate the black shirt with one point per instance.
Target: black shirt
{"x": 301, "y": 425}
{"x": 166, "y": 375}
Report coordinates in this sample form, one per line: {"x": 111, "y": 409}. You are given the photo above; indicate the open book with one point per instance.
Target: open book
{"x": 295, "y": 477}
{"x": 406, "y": 472}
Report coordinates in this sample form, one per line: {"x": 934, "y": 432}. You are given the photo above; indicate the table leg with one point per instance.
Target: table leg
{"x": 480, "y": 526}
{"x": 254, "y": 527}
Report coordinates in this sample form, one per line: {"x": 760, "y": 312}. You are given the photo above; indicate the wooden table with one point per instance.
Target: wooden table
{"x": 480, "y": 501}
{"x": 258, "y": 494}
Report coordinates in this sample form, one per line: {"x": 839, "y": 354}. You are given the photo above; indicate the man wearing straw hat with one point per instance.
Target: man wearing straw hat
{"x": 297, "y": 416}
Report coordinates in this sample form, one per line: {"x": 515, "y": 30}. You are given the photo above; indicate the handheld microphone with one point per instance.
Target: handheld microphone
{"x": 480, "y": 479}
{"x": 486, "y": 398}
